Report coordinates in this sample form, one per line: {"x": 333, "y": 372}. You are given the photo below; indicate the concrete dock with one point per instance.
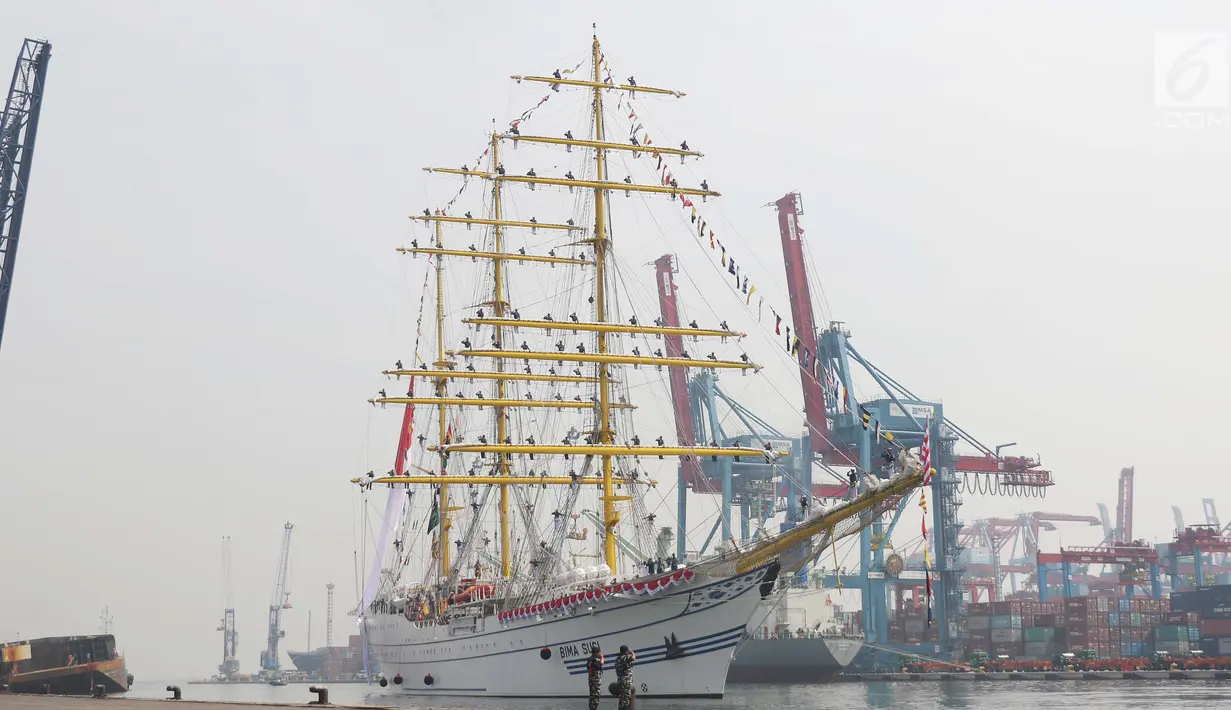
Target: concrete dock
{"x": 9, "y": 701}
{"x": 1035, "y": 675}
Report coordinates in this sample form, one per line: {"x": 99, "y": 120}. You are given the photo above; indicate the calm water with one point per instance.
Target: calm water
{"x": 1018, "y": 695}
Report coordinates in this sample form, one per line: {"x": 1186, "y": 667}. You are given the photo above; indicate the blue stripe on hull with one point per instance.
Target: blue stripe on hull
{"x": 691, "y": 647}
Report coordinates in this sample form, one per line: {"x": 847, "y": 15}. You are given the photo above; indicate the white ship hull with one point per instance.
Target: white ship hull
{"x": 684, "y": 639}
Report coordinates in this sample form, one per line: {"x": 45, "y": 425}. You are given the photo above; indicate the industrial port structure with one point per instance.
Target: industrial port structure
{"x": 18, "y": 130}
{"x": 326, "y": 663}
{"x": 838, "y": 434}
{"x": 967, "y": 565}
{"x": 969, "y": 572}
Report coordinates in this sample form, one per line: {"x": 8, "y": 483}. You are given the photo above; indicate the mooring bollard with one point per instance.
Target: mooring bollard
{"x": 174, "y": 690}
{"x": 46, "y": 689}
{"x": 100, "y": 691}
{"x": 322, "y": 695}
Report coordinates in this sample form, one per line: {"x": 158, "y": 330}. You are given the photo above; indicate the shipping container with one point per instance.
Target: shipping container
{"x": 1006, "y": 635}
{"x": 1176, "y": 648}
{"x": 1039, "y": 650}
{"x": 1040, "y": 633}
{"x": 978, "y": 623}
{"x": 979, "y": 609}
{"x": 914, "y": 626}
{"x": 1214, "y": 627}
{"x": 1170, "y": 633}
{"x": 1208, "y": 602}
{"x": 1004, "y": 621}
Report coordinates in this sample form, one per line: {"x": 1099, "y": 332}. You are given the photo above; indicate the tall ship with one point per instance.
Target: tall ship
{"x": 519, "y": 425}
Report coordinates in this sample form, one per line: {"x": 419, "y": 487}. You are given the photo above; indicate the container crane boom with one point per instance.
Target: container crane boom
{"x": 790, "y": 207}
{"x": 1109, "y": 532}
{"x": 18, "y": 129}
{"x": 664, "y": 271}
{"x": 280, "y": 600}
{"x": 1211, "y": 513}
{"x": 1211, "y": 518}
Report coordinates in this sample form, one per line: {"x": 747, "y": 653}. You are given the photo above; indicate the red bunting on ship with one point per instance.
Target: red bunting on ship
{"x": 650, "y": 587}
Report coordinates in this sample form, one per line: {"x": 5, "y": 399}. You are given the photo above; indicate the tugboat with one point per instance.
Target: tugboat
{"x": 64, "y": 665}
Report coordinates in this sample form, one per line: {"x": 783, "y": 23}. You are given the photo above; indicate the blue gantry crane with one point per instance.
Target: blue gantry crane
{"x": 229, "y": 667}
{"x": 18, "y": 129}
{"x": 280, "y": 600}
{"x": 836, "y": 437}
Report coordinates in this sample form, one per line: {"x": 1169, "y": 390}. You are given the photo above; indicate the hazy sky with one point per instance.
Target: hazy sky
{"x": 208, "y": 288}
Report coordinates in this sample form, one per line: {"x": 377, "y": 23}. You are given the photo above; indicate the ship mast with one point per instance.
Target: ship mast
{"x": 506, "y": 561}
{"x": 441, "y": 393}
{"x": 610, "y": 517}
{"x": 602, "y": 358}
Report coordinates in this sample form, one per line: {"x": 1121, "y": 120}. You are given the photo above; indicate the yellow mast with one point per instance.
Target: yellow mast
{"x": 446, "y": 365}
{"x": 610, "y": 517}
{"x": 441, "y": 384}
{"x": 506, "y": 558}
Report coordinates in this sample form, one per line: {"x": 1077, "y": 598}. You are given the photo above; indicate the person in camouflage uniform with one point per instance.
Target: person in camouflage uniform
{"x": 624, "y": 675}
{"x": 594, "y": 673}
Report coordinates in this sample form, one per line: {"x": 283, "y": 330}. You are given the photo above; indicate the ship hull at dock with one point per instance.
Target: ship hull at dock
{"x": 308, "y": 661}
{"x": 684, "y": 639}
{"x": 784, "y": 642}
{"x": 792, "y": 660}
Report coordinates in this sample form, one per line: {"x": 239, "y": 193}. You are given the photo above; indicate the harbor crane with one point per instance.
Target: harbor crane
{"x": 280, "y": 600}
{"x": 1211, "y": 518}
{"x": 18, "y": 129}
{"x": 836, "y": 435}
{"x": 230, "y": 637}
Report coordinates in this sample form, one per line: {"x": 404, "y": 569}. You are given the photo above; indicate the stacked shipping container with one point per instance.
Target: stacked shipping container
{"x": 911, "y": 627}
{"x": 1212, "y": 606}
{"x": 1112, "y": 627}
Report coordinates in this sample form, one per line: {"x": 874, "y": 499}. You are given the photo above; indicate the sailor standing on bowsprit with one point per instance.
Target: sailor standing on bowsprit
{"x": 624, "y": 676}
{"x": 594, "y": 673}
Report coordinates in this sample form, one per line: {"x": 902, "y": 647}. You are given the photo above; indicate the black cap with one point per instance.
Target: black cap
{"x": 624, "y": 649}
{"x": 594, "y": 651}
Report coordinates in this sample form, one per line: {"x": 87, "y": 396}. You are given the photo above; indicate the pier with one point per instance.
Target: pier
{"x": 1035, "y": 675}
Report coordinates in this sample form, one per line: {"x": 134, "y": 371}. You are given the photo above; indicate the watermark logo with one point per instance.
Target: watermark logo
{"x": 1192, "y": 80}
